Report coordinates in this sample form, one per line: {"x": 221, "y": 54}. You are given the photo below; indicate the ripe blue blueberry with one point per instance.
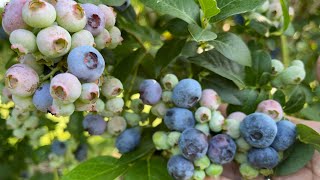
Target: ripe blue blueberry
{"x": 186, "y": 93}
{"x": 263, "y": 157}
{"x": 128, "y": 140}
{"x": 179, "y": 119}
{"x": 58, "y": 147}
{"x": 94, "y": 124}
{"x": 180, "y": 168}
{"x": 42, "y": 99}
{"x": 81, "y": 152}
{"x": 150, "y": 91}
{"x": 86, "y": 63}
{"x": 193, "y": 144}
{"x": 286, "y": 135}
{"x": 222, "y": 149}
{"x": 258, "y": 129}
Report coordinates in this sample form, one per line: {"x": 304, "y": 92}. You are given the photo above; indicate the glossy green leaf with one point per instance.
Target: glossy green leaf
{"x": 296, "y": 101}
{"x": 280, "y": 97}
{"x": 311, "y": 112}
{"x": 199, "y": 34}
{"x": 232, "y": 47}
{"x": 209, "y": 8}
{"x": 308, "y": 135}
{"x": 186, "y": 10}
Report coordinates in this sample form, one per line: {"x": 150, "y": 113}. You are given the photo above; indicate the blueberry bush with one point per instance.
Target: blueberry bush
{"x": 159, "y": 89}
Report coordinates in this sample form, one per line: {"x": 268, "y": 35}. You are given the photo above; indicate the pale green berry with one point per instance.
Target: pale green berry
{"x": 203, "y": 127}
{"x": 292, "y": 75}
{"x": 216, "y": 121}
{"x": 84, "y": 106}
{"x": 159, "y": 109}
{"x": 202, "y": 163}
{"x": 277, "y": 66}
{"x": 266, "y": 172}
{"x": 23, "y": 41}
{"x": 19, "y": 114}
{"x": 173, "y": 138}
{"x": 232, "y": 128}
{"x": 115, "y": 105}
{"x": 169, "y": 81}
{"x": 116, "y": 125}
{"x": 31, "y": 122}
{"x": 13, "y": 123}
{"x": 116, "y": 38}
{"x": 111, "y": 87}
{"x": 166, "y": 96}
{"x": 38, "y": 13}
{"x": 297, "y": 63}
{"x": 136, "y": 105}
{"x": 241, "y": 157}
{"x": 19, "y": 133}
{"x": 132, "y": 119}
{"x": 89, "y": 92}
{"x": 31, "y": 61}
{"x": 214, "y": 170}
{"x": 60, "y": 109}
{"x": 175, "y": 150}
{"x": 82, "y": 38}
{"x": 203, "y": 114}
{"x": 242, "y": 145}
{"x": 100, "y": 105}
{"x": 110, "y": 15}
{"x": 198, "y": 174}
{"x": 248, "y": 171}
{"x": 23, "y": 103}
{"x": 102, "y": 40}
{"x": 263, "y": 7}
{"x": 159, "y": 139}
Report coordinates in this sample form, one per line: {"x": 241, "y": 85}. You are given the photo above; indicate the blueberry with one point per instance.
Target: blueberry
{"x": 58, "y": 147}
{"x": 31, "y": 61}
{"x": 186, "y": 93}
{"x": 271, "y": 108}
{"x": 109, "y": 14}
{"x": 116, "y": 125}
{"x": 150, "y": 91}
{"x": 203, "y": 114}
{"x": 42, "y": 99}
{"x": 210, "y": 99}
{"x": 248, "y": 171}
{"x": 258, "y": 129}
{"x": 82, "y": 38}
{"x": 193, "y": 144}
{"x": 214, "y": 170}
{"x": 222, "y": 149}
{"x": 116, "y": 37}
{"x": 166, "y": 96}
{"x": 23, "y": 41}
{"x": 286, "y": 135}
{"x": 159, "y": 109}
{"x": 94, "y": 124}
{"x": 111, "y": 87}
{"x": 115, "y": 105}
{"x": 132, "y": 119}
{"x": 180, "y": 168}
{"x": 103, "y": 39}
{"x": 277, "y": 66}
{"x": 61, "y": 109}
{"x": 12, "y": 16}
{"x": 216, "y": 121}
{"x": 199, "y": 174}
{"x": 81, "y": 152}
{"x": 136, "y": 105}
{"x": 95, "y": 18}
{"x": 169, "y": 81}
{"x": 124, "y": 6}
{"x": 263, "y": 157}
{"x": 23, "y": 103}
{"x": 204, "y": 127}
{"x": 159, "y": 139}
{"x": 239, "y": 20}
{"x": 86, "y": 63}
{"x": 128, "y": 140}
{"x": 89, "y": 92}
{"x": 202, "y": 163}
{"x": 173, "y": 138}
{"x": 179, "y": 119}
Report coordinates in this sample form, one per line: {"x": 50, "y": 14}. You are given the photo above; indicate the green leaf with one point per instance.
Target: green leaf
{"x": 75, "y": 125}
{"x": 286, "y": 17}
{"x": 232, "y": 47}
{"x": 311, "y": 112}
{"x": 296, "y": 101}
{"x": 107, "y": 2}
{"x": 297, "y": 157}
{"x": 150, "y": 169}
{"x": 200, "y": 34}
{"x": 186, "y": 10}
{"x": 248, "y": 98}
{"x": 280, "y": 97}
{"x": 209, "y": 8}
{"x": 232, "y": 7}
{"x": 103, "y": 167}
{"x": 308, "y": 135}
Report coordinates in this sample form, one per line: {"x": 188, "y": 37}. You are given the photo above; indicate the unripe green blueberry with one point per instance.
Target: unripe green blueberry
{"x": 277, "y": 67}
{"x": 241, "y": 157}
{"x": 60, "y": 109}
{"x": 198, "y": 174}
{"x": 38, "y": 13}
{"x": 204, "y": 127}
{"x": 23, "y": 41}
{"x": 31, "y": 61}
{"x": 70, "y": 15}
{"x": 31, "y": 122}
{"x": 115, "y": 105}
{"x": 159, "y": 139}
{"x": 263, "y": 7}
{"x": 248, "y": 171}
{"x": 6, "y": 95}
{"x": 159, "y": 109}
{"x": 83, "y": 106}
{"x": 109, "y": 14}
{"x": 169, "y": 81}
{"x": 23, "y": 103}
{"x": 102, "y": 40}
{"x": 19, "y": 114}
{"x": 232, "y": 128}
{"x": 21, "y": 80}
{"x": 100, "y": 105}
{"x": 54, "y": 41}
{"x": 116, "y": 38}
{"x": 242, "y": 145}
{"x": 210, "y": 99}
{"x": 82, "y": 38}
{"x": 202, "y": 163}
{"x": 136, "y": 105}
{"x": 216, "y": 121}
{"x": 19, "y": 133}
{"x": 132, "y": 119}
{"x": 111, "y": 87}
{"x": 65, "y": 87}
{"x": 167, "y": 96}
{"x": 292, "y": 75}
{"x": 297, "y": 62}
{"x": 116, "y": 125}
{"x": 214, "y": 170}
{"x": 13, "y": 123}
{"x": 89, "y": 92}
{"x": 203, "y": 114}
{"x": 266, "y": 172}
{"x": 173, "y": 138}
{"x": 175, "y": 150}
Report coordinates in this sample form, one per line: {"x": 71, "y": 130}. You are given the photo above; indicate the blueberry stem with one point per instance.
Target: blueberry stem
{"x": 53, "y": 71}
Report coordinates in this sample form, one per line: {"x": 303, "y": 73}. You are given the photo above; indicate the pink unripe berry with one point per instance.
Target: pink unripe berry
{"x": 89, "y": 93}
{"x": 109, "y": 14}
{"x": 12, "y": 16}
{"x": 210, "y": 99}
{"x": 95, "y": 18}
{"x": 271, "y": 108}
{"x": 239, "y": 116}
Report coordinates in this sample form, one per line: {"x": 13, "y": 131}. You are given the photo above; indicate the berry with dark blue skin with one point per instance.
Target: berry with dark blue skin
{"x": 58, "y": 147}
{"x": 128, "y": 140}
{"x": 180, "y": 168}
{"x": 286, "y": 135}
{"x": 86, "y": 63}
{"x": 42, "y": 98}
{"x": 258, "y": 129}
{"x": 193, "y": 144}
{"x": 239, "y": 20}
{"x": 179, "y": 119}
{"x": 263, "y": 157}
{"x": 150, "y": 91}
{"x": 94, "y": 124}
{"x": 186, "y": 93}
{"x": 222, "y": 149}
{"x": 81, "y": 152}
